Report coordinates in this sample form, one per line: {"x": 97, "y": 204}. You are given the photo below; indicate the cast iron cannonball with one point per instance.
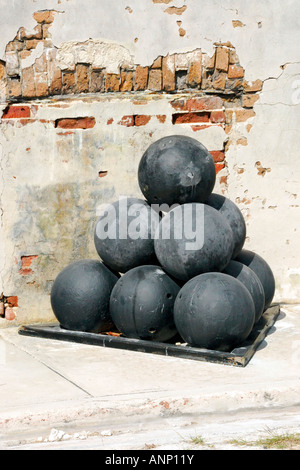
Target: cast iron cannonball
{"x": 250, "y": 280}
{"x": 214, "y": 311}
{"x": 193, "y": 239}
{"x": 263, "y": 272}
{"x": 176, "y": 170}
{"x": 80, "y": 296}
{"x": 234, "y": 217}
{"x": 124, "y": 234}
{"x": 141, "y": 304}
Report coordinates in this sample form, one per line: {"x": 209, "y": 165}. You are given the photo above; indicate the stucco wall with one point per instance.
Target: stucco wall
{"x": 50, "y": 186}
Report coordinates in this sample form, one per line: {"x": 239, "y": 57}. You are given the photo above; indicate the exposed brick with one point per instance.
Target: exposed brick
{"x": 26, "y": 264}
{"x": 126, "y": 80}
{"x": 141, "y": 78}
{"x": 234, "y": 85}
{"x": 46, "y": 32}
{"x": 141, "y": 120}
{"x": 127, "y": 121}
{"x": 161, "y": 118}
{"x": 36, "y": 33}
{"x": 155, "y": 80}
{"x": 251, "y": 87}
{"x": 97, "y": 83}
{"x": 83, "y": 79}
{"x": 10, "y": 314}
{"x": 2, "y": 71}
{"x": 40, "y": 65}
{"x": 194, "y": 76}
{"x": 219, "y": 81}
{"x": 110, "y": 121}
{"x": 75, "y": 123}
{"x": 14, "y": 46}
{"x": 217, "y": 116}
{"x": 238, "y": 115}
{"x": 222, "y": 59}
{"x": 44, "y": 16}
{"x": 218, "y": 155}
{"x": 16, "y": 112}
{"x": 235, "y": 71}
{"x": 31, "y": 44}
{"x": 198, "y": 103}
{"x": 233, "y": 57}
{"x": 2, "y": 309}
{"x": 200, "y": 127}
{"x": 248, "y": 101}
{"x": 28, "y": 83}
{"x": 12, "y": 64}
{"x": 189, "y": 118}
{"x": 168, "y": 73}
{"x": 12, "y": 301}
{"x": 14, "y": 89}
{"x": 219, "y": 167}
{"x": 55, "y": 81}
{"x": 112, "y": 82}
{"x": 68, "y": 83}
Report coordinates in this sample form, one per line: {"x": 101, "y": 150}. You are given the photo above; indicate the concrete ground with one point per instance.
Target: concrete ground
{"x": 60, "y": 395}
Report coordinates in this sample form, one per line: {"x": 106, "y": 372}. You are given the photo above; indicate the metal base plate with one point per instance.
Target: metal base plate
{"x": 239, "y": 357}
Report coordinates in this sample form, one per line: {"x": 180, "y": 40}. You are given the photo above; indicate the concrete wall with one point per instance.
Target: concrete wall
{"x": 228, "y": 74}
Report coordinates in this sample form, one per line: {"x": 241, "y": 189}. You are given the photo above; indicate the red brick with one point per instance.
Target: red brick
{"x": 190, "y": 118}
{"x": 127, "y": 121}
{"x": 155, "y": 80}
{"x": 56, "y": 81}
{"x": 25, "y": 265}
{"x": 75, "y": 123}
{"x": 14, "y": 88}
{"x": 198, "y": 104}
{"x": 68, "y": 83}
{"x": 141, "y": 78}
{"x": 218, "y": 155}
{"x": 97, "y": 83}
{"x": 9, "y": 314}
{"x": 12, "y": 301}
{"x": 44, "y": 16}
{"x": 141, "y": 120}
{"x": 222, "y": 59}
{"x": 168, "y": 73}
{"x": 235, "y": 71}
{"x": 82, "y": 73}
{"x": 217, "y": 116}
{"x": 162, "y": 118}
{"x": 112, "y": 82}
{"x": 16, "y": 112}
{"x": 219, "y": 167}
{"x": 126, "y": 80}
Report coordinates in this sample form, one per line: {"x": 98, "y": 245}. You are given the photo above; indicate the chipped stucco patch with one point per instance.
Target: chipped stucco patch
{"x": 100, "y": 54}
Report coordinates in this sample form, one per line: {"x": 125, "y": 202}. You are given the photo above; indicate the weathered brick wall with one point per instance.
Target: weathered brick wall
{"x": 75, "y": 121}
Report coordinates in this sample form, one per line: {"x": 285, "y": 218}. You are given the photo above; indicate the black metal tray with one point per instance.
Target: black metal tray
{"x": 239, "y": 357}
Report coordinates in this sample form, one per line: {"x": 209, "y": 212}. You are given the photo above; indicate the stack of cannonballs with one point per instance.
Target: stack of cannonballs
{"x": 171, "y": 265}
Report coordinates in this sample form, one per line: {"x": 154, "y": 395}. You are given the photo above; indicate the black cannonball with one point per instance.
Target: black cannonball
{"x": 193, "y": 239}
{"x": 263, "y": 272}
{"x": 80, "y": 296}
{"x": 124, "y": 234}
{"x": 251, "y": 281}
{"x": 214, "y": 311}
{"x": 176, "y": 170}
{"x": 234, "y": 217}
{"x": 141, "y": 304}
